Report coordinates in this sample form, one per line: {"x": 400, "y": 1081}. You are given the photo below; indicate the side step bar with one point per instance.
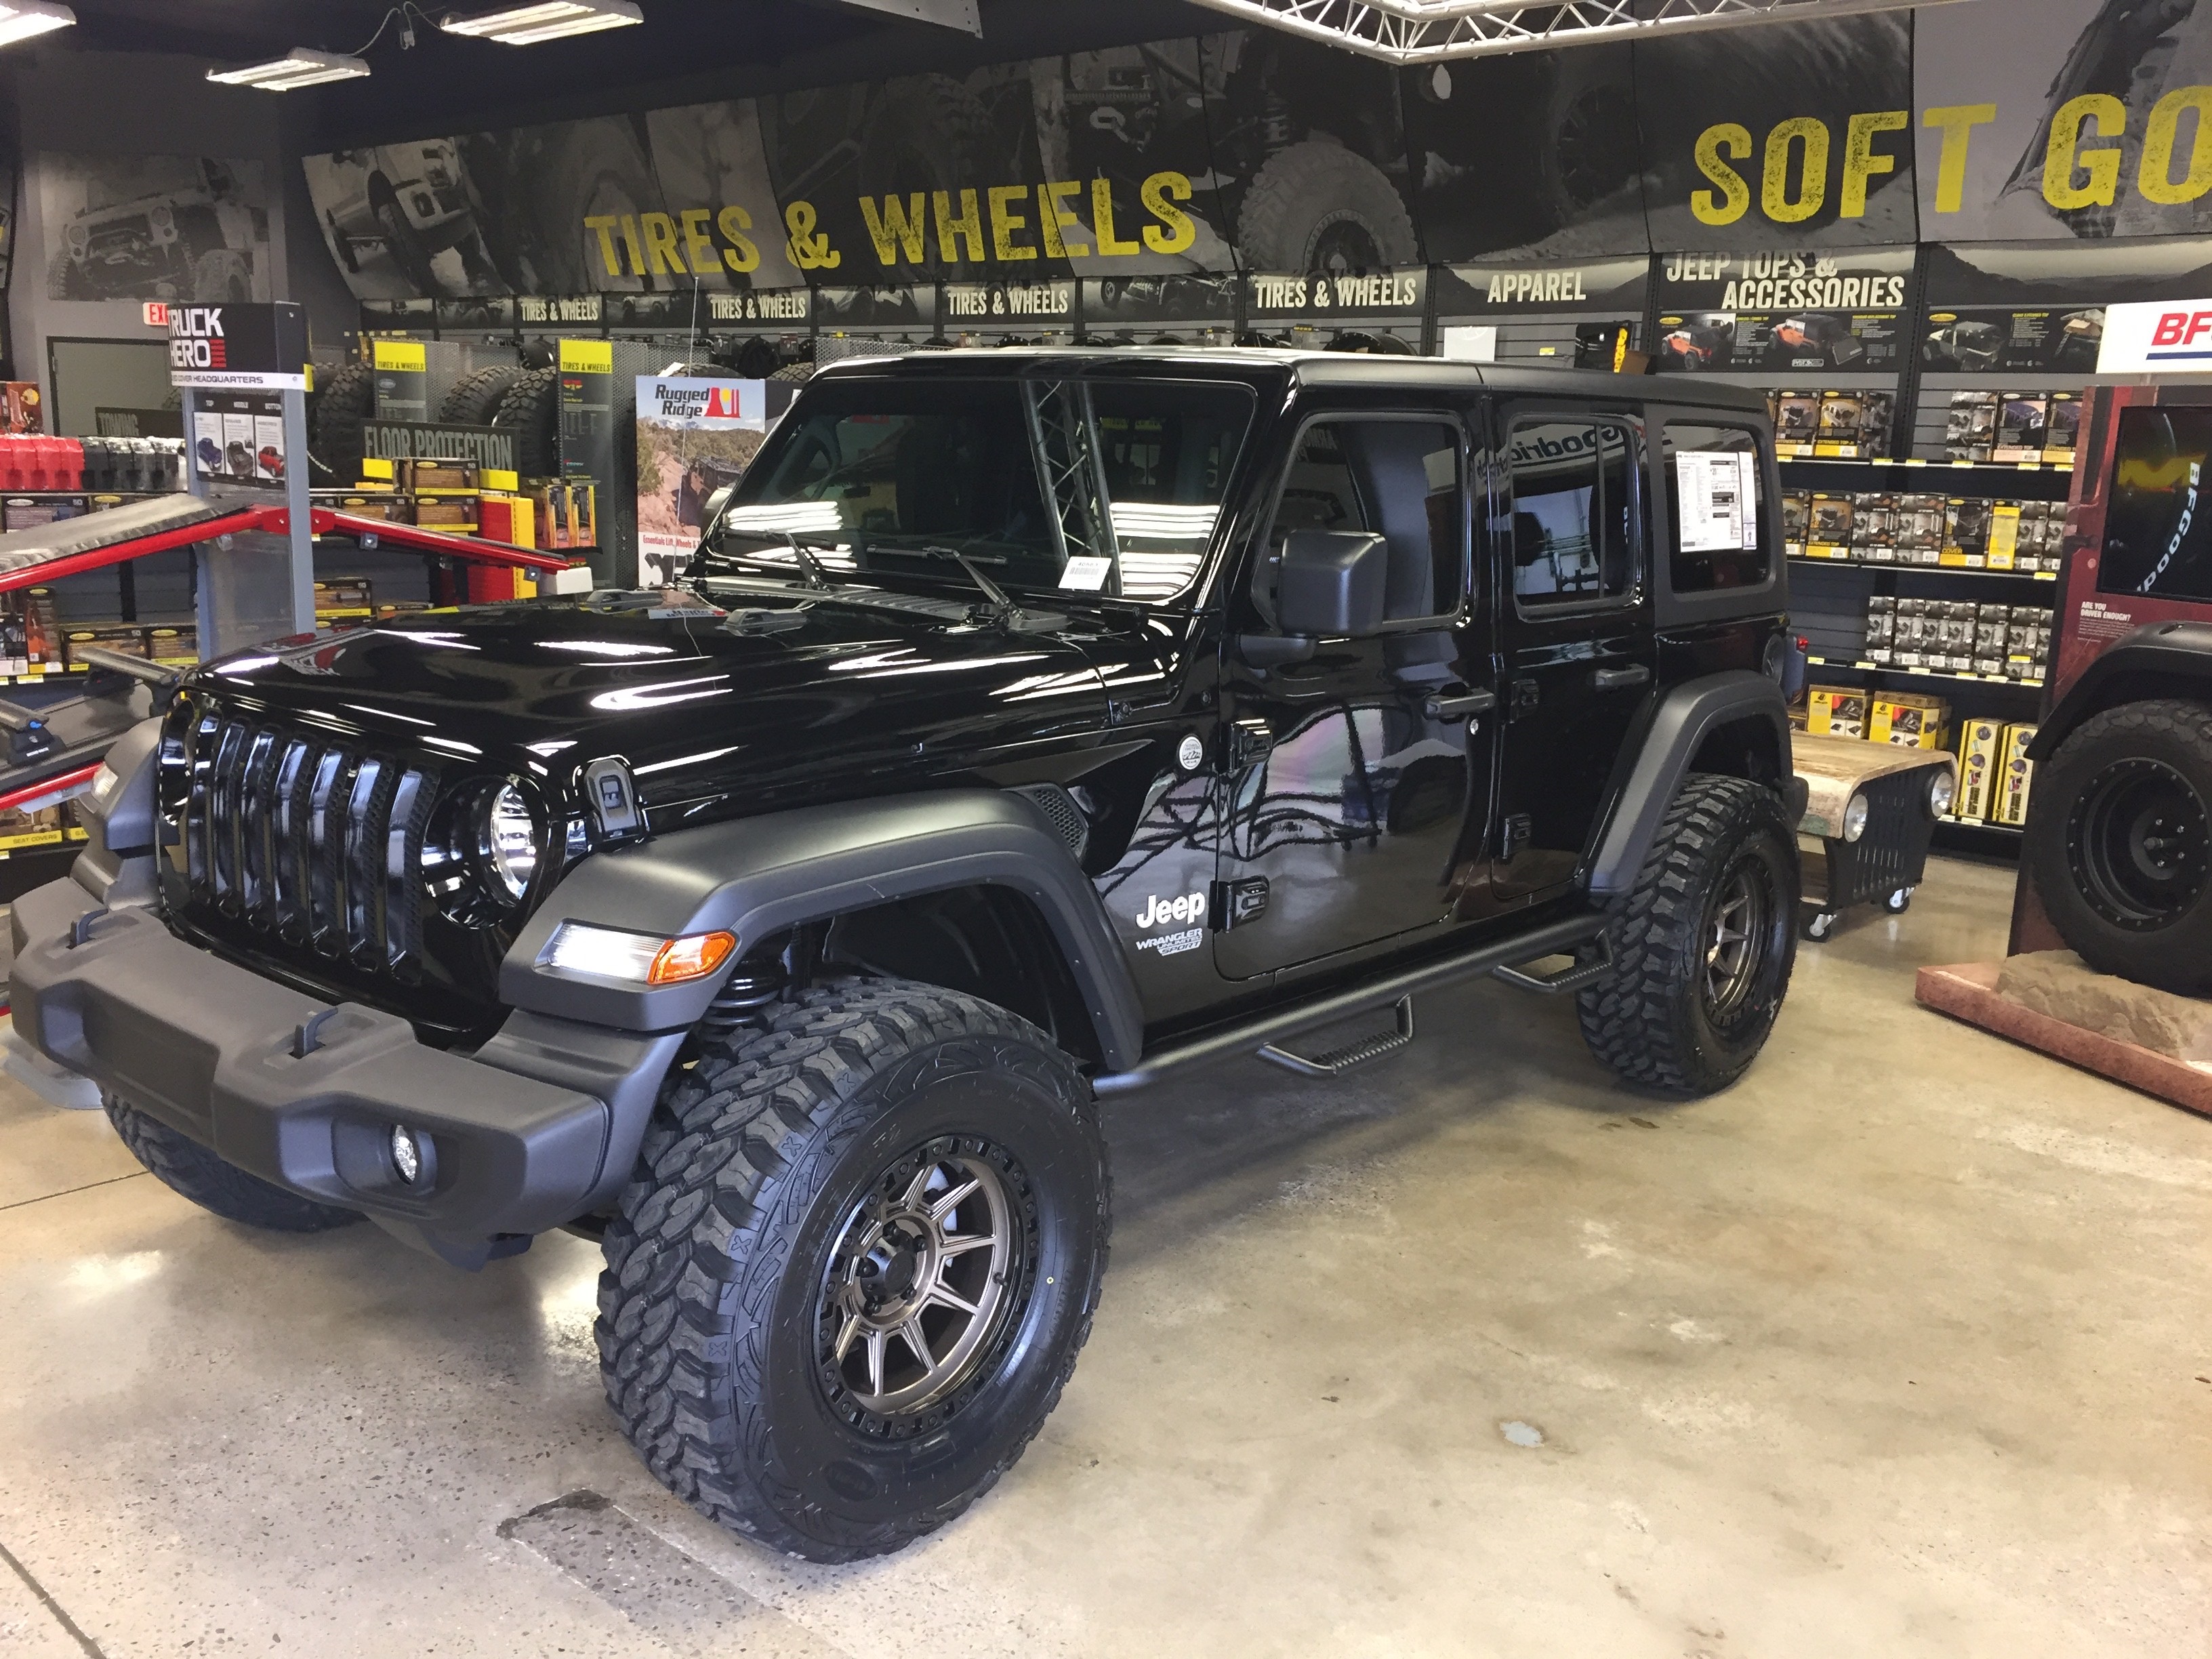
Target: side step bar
{"x": 1338, "y": 1060}
{"x": 1264, "y": 1030}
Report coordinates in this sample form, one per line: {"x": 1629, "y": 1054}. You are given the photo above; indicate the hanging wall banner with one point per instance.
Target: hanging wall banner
{"x": 1840, "y": 309}
{"x": 693, "y": 437}
{"x": 1008, "y": 307}
{"x": 2065, "y": 119}
{"x": 1137, "y": 306}
{"x": 788, "y": 307}
{"x": 907, "y": 310}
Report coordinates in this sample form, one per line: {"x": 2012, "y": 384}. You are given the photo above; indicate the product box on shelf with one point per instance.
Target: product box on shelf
{"x": 19, "y": 828}
{"x": 1838, "y": 432}
{"x": 23, "y": 407}
{"x": 1877, "y": 410}
{"x": 1907, "y": 719}
{"x": 1796, "y": 422}
{"x": 1797, "y": 518}
{"x": 509, "y": 519}
{"x": 419, "y": 473}
{"x": 1881, "y": 627}
{"x": 2022, "y": 419}
{"x": 1969, "y": 428}
{"x": 1836, "y": 711}
{"x": 348, "y": 596}
{"x": 1992, "y": 633}
{"x": 2061, "y": 428}
{"x": 1965, "y": 531}
{"x": 174, "y": 645}
{"x": 2014, "y": 776}
{"x": 454, "y": 514}
{"x": 1918, "y": 532}
{"x": 25, "y": 513}
{"x": 1980, "y": 746}
{"x": 1829, "y": 535}
{"x": 1873, "y": 527}
{"x": 127, "y": 638}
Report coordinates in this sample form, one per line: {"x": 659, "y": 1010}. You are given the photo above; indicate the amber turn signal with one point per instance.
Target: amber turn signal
{"x": 693, "y": 957}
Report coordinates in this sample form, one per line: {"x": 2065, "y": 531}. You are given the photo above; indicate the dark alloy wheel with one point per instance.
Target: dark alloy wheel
{"x": 852, "y": 1273}
{"x": 2119, "y": 843}
{"x": 1703, "y": 944}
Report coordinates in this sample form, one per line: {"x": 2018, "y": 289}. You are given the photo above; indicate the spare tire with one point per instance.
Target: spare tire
{"x": 530, "y": 409}
{"x": 1316, "y": 206}
{"x": 476, "y": 396}
{"x": 336, "y": 410}
{"x": 757, "y": 358}
{"x": 2120, "y": 842}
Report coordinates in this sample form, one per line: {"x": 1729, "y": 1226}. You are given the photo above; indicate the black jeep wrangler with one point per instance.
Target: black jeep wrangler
{"x": 1031, "y": 725}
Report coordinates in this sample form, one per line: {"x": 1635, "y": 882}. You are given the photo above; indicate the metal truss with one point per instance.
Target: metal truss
{"x": 1433, "y": 31}
{"x": 1071, "y": 465}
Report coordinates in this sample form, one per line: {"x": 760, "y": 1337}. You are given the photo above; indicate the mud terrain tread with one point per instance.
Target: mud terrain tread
{"x": 335, "y": 414}
{"x": 187, "y": 1168}
{"x": 1282, "y": 191}
{"x": 475, "y": 397}
{"x": 530, "y": 408}
{"x": 745, "y": 1138}
{"x": 1628, "y": 1017}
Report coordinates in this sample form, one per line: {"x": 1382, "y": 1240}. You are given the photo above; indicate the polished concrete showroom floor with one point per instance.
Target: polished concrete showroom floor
{"x": 1897, "y": 1348}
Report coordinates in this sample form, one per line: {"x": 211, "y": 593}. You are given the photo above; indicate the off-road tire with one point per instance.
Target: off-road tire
{"x": 1303, "y": 194}
{"x": 223, "y": 275}
{"x": 185, "y": 1166}
{"x": 475, "y": 397}
{"x": 757, "y": 1157}
{"x": 2165, "y": 944}
{"x": 530, "y": 409}
{"x": 793, "y": 372}
{"x": 336, "y": 410}
{"x": 1649, "y": 1017}
{"x": 406, "y": 250}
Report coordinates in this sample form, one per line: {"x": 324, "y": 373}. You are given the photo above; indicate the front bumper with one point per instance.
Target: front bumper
{"x": 209, "y": 1049}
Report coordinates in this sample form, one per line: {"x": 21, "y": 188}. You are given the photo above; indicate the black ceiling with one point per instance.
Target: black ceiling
{"x": 687, "y": 51}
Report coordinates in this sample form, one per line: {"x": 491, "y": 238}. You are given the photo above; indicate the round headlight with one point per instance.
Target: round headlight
{"x": 510, "y": 840}
{"x": 1942, "y": 789}
{"x": 1855, "y": 818}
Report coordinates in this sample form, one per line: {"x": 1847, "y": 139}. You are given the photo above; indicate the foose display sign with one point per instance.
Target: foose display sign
{"x": 238, "y": 348}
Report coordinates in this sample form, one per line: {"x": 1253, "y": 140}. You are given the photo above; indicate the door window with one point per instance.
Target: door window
{"x": 1717, "y": 536}
{"x": 1403, "y": 479}
{"x": 1574, "y": 511}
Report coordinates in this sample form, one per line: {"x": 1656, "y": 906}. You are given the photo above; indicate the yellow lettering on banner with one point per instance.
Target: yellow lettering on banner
{"x": 1054, "y": 218}
{"x": 1005, "y": 222}
{"x": 2156, "y": 179}
{"x": 605, "y": 224}
{"x": 1175, "y": 231}
{"x": 705, "y": 261}
{"x": 968, "y": 226}
{"x": 2065, "y": 155}
{"x": 1102, "y": 220}
{"x": 899, "y": 229}
{"x": 741, "y": 255}
{"x": 660, "y": 252}
{"x": 1958, "y": 122}
{"x": 1726, "y": 205}
{"x": 629, "y": 246}
{"x": 586, "y": 356}
{"x": 1813, "y": 183}
{"x": 1860, "y": 160}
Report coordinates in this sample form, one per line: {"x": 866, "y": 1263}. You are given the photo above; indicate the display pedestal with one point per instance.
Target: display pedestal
{"x": 1969, "y": 991}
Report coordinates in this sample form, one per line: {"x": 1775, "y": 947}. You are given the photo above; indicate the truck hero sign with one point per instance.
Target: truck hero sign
{"x": 242, "y": 347}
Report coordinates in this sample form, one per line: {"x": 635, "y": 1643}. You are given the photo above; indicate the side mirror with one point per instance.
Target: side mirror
{"x": 1331, "y": 583}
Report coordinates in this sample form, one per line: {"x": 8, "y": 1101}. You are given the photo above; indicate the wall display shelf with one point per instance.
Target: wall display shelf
{"x": 1892, "y": 671}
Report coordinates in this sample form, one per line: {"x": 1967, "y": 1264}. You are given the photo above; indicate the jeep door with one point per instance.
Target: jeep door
{"x": 1356, "y": 786}
{"x": 1568, "y": 529}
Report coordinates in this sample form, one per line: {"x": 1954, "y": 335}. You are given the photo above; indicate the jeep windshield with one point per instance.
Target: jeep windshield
{"x": 877, "y": 477}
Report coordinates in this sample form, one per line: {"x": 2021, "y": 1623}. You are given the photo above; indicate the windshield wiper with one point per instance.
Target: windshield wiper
{"x": 1006, "y": 610}
{"x": 811, "y": 572}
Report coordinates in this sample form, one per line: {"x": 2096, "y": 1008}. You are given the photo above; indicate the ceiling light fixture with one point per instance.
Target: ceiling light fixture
{"x": 21, "y": 19}
{"x": 553, "y": 20}
{"x": 300, "y": 67}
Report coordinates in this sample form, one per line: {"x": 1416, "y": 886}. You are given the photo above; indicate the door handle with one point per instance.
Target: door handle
{"x": 1459, "y": 704}
{"x": 1619, "y": 679}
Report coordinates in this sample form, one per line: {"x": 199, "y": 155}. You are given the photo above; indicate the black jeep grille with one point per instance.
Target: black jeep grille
{"x": 312, "y": 843}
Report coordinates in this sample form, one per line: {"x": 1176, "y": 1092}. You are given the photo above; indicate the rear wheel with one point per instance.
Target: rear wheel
{"x": 408, "y": 249}
{"x": 1702, "y": 945}
{"x": 185, "y": 1166}
{"x": 2119, "y": 841}
{"x": 853, "y": 1268}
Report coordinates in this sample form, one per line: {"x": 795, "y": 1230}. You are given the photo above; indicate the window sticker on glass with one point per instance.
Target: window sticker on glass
{"x": 1718, "y": 494}
{"x": 1084, "y": 573}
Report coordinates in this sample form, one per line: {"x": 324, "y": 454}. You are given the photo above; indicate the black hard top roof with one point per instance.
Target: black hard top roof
{"x": 1275, "y": 367}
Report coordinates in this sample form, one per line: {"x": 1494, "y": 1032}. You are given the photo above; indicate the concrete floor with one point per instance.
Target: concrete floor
{"x": 1898, "y": 1348}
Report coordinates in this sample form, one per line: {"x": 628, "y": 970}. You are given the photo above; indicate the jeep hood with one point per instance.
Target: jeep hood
{"x": 789, "y": 696}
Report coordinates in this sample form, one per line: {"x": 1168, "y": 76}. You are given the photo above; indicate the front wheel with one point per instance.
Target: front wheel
{"x": 1702, "y": 945}
{"x": 852, "y": 1273}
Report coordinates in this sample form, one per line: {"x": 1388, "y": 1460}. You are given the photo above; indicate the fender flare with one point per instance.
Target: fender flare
{"x": 1683, "y": 719}
{"x": 2158, "y": 660}
{"x": 757, "y": 876}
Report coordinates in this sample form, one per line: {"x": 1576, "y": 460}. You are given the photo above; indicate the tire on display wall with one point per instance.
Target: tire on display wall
{"x": 222, "y": 274}
{"x": 336, "y": 410}
{"x": 406, "y": 248}
{"x": 475, "y": 397}
{"x": 794, "y": 372}
{"x": 2119, "y": 834}
{"x": 530, "y": 409}
{"x": 1316, "y": 206}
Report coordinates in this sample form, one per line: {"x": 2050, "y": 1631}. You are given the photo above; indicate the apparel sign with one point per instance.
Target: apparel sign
{"x": 238, "y": 347}
{"x": 1835, "y": 310}
{"x": 1613, "y": 286}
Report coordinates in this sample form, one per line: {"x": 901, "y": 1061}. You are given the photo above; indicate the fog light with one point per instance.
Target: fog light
{"x": 406, "y": 1154}
{"x": 1855, "y": 818}
{"x": 1942, "y": 790}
